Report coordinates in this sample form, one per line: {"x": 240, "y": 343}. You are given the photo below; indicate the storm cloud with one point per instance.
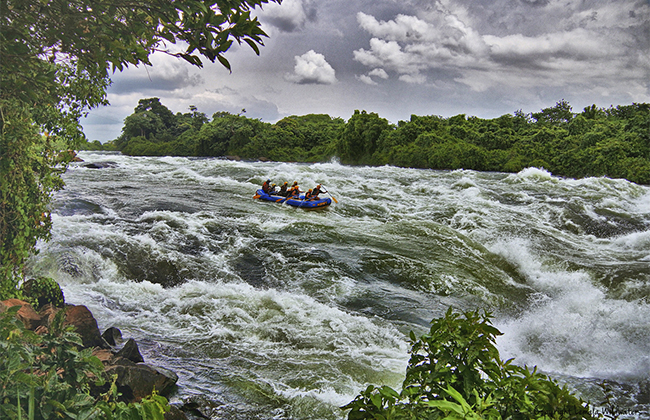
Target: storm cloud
{"x": 418, "y": 57}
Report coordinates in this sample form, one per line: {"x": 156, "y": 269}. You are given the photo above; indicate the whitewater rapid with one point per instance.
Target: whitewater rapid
{"x": 278, "y": 312}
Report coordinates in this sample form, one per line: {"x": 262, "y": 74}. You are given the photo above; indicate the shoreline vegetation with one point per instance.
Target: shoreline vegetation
{"x": 612, "y": 142}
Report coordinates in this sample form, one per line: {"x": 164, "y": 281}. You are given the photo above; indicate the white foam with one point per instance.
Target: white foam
{"x": 573, "y": 327}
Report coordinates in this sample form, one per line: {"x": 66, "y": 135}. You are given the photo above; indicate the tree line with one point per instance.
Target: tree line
{"x": 612, "y": 142}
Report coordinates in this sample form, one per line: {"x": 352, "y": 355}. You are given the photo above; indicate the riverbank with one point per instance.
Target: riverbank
{"x": 121, "y": 359}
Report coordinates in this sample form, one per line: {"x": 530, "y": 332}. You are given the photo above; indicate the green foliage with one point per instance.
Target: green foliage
{"x": 228, "y": 134}
{"x": 50, "y": 377}
{"x": 153, "y": 130}
{"x": 30, "y": 172}
{"x": 306, "y": 138}
{"x": 560, "y": 113}
{"x": 455, "y": 372}
{"x": 94, "y": 145}
{"x": 41, "y": 291}
{"x": 361, "y": 136}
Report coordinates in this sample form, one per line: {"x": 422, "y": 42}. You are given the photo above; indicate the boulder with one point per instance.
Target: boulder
{"x": 99, "y": 165}
{"x": 112, "y": 336}
{"x": 131, "y": 351}
{"x": 138, "y": 380}
{"x": 44, "y": 291}
{"x": 26, "y": 313}
{"x": 174, "y": 413}
{"x": 85, "y": 325}
{"x": 104, "y": 356}
{"x": 47, "y": 313}
{"x": 201, "y": 407}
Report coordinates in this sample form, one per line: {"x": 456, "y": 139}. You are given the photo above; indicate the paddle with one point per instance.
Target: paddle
{"x": 335, "y": 200}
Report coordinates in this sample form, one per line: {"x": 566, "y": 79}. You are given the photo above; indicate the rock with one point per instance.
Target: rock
{"x": 200, "y": 407}
{"x": 100, "y": 165}
{"x": 112, "y": 336}
{"x": 41, "y": 330}
{"x": 138, "y": 380}
{"x": 131, "y": 351}
{"x": 26, "y": 313}
{"x": 174, "y": 413}
{"x": 105, "y": 356}
{"x": 47, "y": 313}
{"x": 85, "y": 325}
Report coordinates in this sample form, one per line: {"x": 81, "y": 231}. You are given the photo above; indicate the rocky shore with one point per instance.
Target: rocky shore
{"x": 136, "y": 379}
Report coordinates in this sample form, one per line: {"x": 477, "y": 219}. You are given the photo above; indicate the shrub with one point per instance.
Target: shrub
{"x": 51, "y": 377}
{"x": 455, "y": 372}
{"x": 41, "y": 291}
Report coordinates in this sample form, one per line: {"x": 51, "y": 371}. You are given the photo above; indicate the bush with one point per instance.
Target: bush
{"x": 41, "y": 291}
{"x": 455, "y": 372}
{"x": 51, "y": 377}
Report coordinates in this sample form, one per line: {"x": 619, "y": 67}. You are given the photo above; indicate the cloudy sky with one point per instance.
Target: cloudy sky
{"x": 403, "y": 57}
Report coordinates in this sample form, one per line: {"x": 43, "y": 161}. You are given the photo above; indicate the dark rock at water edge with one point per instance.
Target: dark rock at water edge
{"x": 131, "y": 352}
{"x": 100, "y": 165}
{"x": 85, "y": 325}
{"x": 112, "y": 336}
{"x": 138, "y": 380}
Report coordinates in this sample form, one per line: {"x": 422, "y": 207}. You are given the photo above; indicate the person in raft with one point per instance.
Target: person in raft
{"x": 316, "y": 191}
{"x": 294, "y": 191}
{"x": 312, "y": 194}
{"x": 266, "y": 187}
{"x": 283, "y": 189}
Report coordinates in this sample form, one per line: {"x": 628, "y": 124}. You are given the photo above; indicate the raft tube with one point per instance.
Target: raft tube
{"x": 296, "y": 202}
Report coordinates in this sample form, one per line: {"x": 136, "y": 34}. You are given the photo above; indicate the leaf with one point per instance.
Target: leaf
{"x": 224, "y": 62}
{"x": 389, "y": 392}
{"x": 446, "y": 406}
{"x": 253, "y": 45}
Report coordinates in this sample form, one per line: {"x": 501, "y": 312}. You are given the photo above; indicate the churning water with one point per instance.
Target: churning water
{"x": 276, "y": 312}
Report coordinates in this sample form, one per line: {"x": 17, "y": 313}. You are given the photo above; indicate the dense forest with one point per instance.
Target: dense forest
{"x": 613, "y": 142}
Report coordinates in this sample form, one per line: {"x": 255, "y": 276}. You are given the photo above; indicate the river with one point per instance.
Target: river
{"x": 276, "y": 312}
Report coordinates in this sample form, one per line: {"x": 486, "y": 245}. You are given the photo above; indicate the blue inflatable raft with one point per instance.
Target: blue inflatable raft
{"x": 296, "y": 202}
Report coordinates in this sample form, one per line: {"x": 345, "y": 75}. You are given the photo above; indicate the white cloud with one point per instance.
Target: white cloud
{"x": 433, "y": 56}
{"x": 403, "y": 28}
{"x": 389, "y": 54}
{"x": 417, "y": 79}
{"x": 381, "y": 73}
{"x": 367, "y": 79}
{"x": 409, "y": 45}
{"x": 290, "y": 16}
{"x": 579, "y": 44}
{"x": 312, "y": 68}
